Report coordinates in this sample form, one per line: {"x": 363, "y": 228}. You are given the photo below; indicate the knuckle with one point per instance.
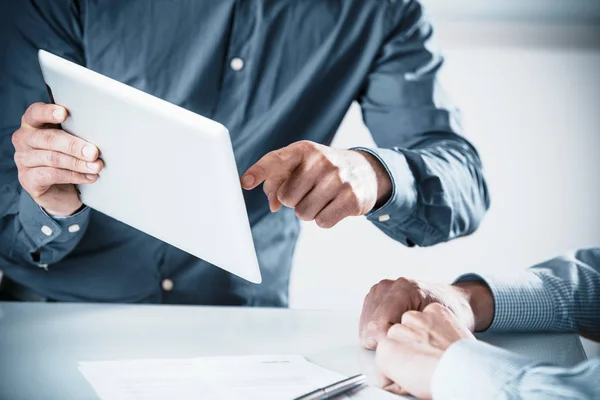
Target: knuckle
{"x": 347, "y": 189}
{"x": 17, "y": 138}
{"x": 285, "y": 198}
{"x": 320, "y": 222}
{"x": 38, "y": 177}
{"x": 426, "y": 321}
{"x": 395, "y": 330}
{"x": 324, "y": 222}
{"x": 284, "y": 193}
{"x": 47, "y": 138}
{"x": 302, "y": 214}
{"x": 53, "y": 159}
{"x": 373, "y": 326}
{"x": 78, "y": 165}
{"x": 18, "y": 158}
{"x": 406, "y": 283}
{"x": 402, "y": 283}
{"x": 32, "y": 112}
{"x": 34, "y": 106}
{"x": 268, "y": 186}
{"x": 302, "y": 208}
{"x": 279, "y": 156}
{"x": 380, "y": 288}
{"x": 320, "y": 159}
{"x": 72, "y": 146}
{"x": 374, "y": 289}
{"x": 258, "y": 169}
{"x": 335, "y": 170}
{"x": 384, "y": 284}
{"x": 410, "y": 316}
{"x": 74, "y": 177}
{"x": 307, "y": 145}
{"x": 29, "y": 113}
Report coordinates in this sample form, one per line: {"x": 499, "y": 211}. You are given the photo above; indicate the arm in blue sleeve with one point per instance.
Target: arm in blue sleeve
{"x": 477, "y": 370}
{"x": 559, "y": 295}
{"x": 439, "y": 192}
{"x": 28, "y": 236}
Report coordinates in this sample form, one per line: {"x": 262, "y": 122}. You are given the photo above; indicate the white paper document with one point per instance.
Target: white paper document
{"x": 213, "y": 378}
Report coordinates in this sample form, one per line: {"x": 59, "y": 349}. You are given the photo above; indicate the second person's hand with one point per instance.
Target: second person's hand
{"x": 388, "y": 301}
{"x": 408, "y": 357}
{"x": 50, "y": 161}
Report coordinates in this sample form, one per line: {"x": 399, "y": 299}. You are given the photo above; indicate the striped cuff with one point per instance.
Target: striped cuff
{"x": 521, "y": 302}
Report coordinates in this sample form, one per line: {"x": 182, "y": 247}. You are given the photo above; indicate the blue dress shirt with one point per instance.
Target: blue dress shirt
{"x": 272, "y": 71}
{"x": 560, "y": 295}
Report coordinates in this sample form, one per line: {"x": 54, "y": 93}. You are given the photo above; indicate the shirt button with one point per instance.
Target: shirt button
{"x": 167, "y": 285}
{"x": 45, "y": 266}
{"x": 237, "y": 64}
{"x": 384, "y": 217}
{"x": 74, "y": 228}
{"x": 46, "y": 230}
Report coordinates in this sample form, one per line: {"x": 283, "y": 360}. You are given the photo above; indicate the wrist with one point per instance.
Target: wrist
{"x": 384, "y": 181}
{"x": 481, "y": 300}
{"x": 63, "y": 212}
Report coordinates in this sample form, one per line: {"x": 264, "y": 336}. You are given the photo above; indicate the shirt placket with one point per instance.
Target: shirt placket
{"x": 234, "y": 89}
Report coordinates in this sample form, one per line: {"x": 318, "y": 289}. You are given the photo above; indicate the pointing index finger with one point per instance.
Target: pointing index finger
{"x": 274, "y": 164}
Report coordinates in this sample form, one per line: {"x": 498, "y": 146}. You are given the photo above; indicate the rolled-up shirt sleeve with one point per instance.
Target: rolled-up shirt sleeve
{"x": 439, "y": 192}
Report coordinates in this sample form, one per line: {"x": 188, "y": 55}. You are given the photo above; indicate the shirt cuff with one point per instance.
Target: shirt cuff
{"x": 521, "y": 302}
{"x": 42, "y": 229}
{"x": 403, "y": 200}
{"x": 471, "y": 369}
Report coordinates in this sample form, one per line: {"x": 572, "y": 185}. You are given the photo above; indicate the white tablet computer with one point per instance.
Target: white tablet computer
{"x": 168, "y": 172}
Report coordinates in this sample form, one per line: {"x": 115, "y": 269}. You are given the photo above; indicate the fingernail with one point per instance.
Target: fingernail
{"x": 89, "y": 151}
{"x": 270, "y": 202}
{"x": 247, "y": 180}
{"x": 58, "y": 114}
{"x": 92, "y": 166}
{"x": 90, "y": 177}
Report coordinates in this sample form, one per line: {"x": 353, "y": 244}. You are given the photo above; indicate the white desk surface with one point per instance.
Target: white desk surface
{"x": 42, "y": 343}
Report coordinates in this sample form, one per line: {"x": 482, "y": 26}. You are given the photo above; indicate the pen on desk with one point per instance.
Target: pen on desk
{"x": 335, "y": 389}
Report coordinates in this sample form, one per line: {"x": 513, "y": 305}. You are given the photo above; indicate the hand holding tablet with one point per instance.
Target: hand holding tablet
{"x": 166, "y": 171}
{"x": 50, "y": 161}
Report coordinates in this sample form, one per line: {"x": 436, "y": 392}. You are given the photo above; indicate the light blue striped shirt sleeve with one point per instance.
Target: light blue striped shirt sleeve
{"x": 560, "y": 295}
{"x": 472, "y": 369}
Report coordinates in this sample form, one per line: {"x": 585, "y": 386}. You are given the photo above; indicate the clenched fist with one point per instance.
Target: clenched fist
{"x": 50, "y": 161}
{"x": 389, "y": 301}
{"x": 321, "y": 183}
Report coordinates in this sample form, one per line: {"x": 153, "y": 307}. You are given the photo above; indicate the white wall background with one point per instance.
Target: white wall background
{"x": 531, "y": 106}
